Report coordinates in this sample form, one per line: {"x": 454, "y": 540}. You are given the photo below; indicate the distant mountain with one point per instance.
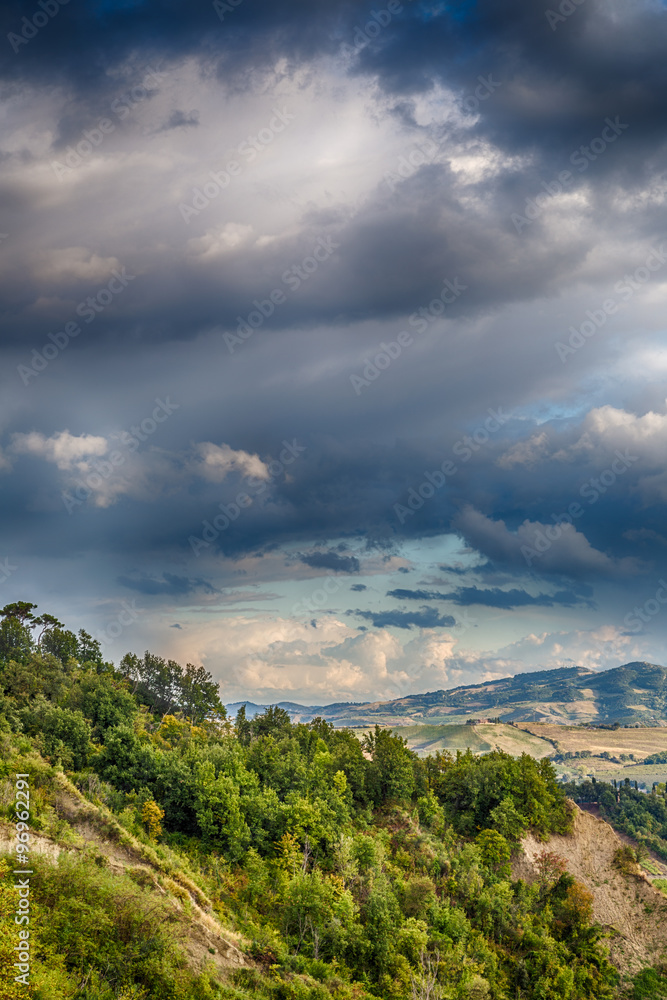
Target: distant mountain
{"x": 633, "y": 693}
{"x": 299, "y": 713}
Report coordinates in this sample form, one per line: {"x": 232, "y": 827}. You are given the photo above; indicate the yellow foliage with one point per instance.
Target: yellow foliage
{"x": 152, "y": 816}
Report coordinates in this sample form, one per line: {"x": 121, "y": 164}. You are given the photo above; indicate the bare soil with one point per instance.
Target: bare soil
{"x": 630, "y": 908}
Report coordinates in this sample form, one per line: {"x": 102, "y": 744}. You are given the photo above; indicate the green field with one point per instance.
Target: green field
{"x": 482, "y": 738}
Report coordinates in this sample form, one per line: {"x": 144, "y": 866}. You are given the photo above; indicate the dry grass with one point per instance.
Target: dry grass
{"x": 640, "y": 742}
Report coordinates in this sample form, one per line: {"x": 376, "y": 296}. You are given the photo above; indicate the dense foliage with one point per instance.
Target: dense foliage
{"x": 357, "y": 869}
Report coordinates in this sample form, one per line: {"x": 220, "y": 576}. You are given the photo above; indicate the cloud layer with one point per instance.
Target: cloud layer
{"x": 315, "y": 314}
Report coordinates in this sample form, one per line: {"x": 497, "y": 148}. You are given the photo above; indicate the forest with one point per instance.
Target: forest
{"x": 349, "y": 868}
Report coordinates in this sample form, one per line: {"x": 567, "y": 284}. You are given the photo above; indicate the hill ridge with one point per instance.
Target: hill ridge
{"x": 562, "y": 694}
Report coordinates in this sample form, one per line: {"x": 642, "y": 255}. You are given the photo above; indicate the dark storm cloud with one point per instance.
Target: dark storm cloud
{"x": 556, "y": 89}
{"x": 393, "y": 251}
{"x": 170, "y": 584}
{"x": 425, "y": 618}
{"x": 493, "y": 597}
{"x": 358, "y": 587}
{"x": 331, "y": 560}
{"x": 605, "y": 58}
{"x": 343, "y": 491}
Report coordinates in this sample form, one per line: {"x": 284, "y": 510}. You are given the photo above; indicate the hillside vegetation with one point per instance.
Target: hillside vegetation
{"x": 178, "y": 857}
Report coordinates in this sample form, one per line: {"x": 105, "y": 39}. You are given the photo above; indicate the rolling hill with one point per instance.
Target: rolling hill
{"x": 635, "y": 693}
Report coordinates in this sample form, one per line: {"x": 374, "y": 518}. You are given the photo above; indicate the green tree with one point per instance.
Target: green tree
{"x": 242, "y": 727}
{"x": 62, "y": 644}
{"x": 391, "y": 774}
{"x": 155, "y": 680}
{"x": 89, "y": 650}
{"x": 495, "y": 851}
{"x": 198, "y": 695}
{"x": 62, "y": 735}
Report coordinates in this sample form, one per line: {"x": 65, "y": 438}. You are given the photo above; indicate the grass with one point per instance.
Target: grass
{"x": 640, "y": 742}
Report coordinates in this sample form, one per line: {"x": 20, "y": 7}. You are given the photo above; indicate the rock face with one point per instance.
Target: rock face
{"x": 629, "y": 907}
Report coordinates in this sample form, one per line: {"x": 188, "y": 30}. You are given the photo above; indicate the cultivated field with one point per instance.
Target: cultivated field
{"x": 640, "y": 742}
{"x": 548, "y": 740}
{"x": 480, "y": 739}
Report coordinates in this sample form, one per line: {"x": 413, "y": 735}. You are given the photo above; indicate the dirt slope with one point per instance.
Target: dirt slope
{"x": 629, "y": 907}
{"x": 199, "y": 932}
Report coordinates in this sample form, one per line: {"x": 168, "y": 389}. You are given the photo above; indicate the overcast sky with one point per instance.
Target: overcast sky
{"x": 333, "y": 345}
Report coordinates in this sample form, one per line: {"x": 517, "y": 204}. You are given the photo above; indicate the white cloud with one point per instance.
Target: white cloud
{"x": 217, "y": 461}
{"x": 280, "y": 659}
{"x": 72, "y": 264}
{"x": 285, "y": 659}
{"x": 140, "y": 474}
{"x": 67, "y": 451}
{"x": 214, "y": 243}
{"x": 525, "y": 452}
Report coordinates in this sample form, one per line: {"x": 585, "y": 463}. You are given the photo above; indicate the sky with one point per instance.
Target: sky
{"x": 332, "y": 336}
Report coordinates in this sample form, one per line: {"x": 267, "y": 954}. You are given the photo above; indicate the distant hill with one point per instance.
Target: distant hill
{"x": 633, "y": 693}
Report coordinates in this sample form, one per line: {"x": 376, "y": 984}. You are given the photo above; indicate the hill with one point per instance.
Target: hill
{"x": 172, "y": 856}
{"x": 632, "y": 694}
{"x": 627, "y": 905}
{"x": 426, "y": 740}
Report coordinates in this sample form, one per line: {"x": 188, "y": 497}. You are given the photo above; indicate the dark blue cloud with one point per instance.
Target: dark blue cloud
{"x": 331, "y": 560}
{"x": 425, "y": 618}
{"x": 494, "y": 597}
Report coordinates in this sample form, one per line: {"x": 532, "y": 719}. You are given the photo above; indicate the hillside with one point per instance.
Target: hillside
{"x": 77, "y": 830}
{"x": 171, "y": 855}
{"x": 479, "y": 739}
{"x": 635, "y": 693}
{"x": 629, "y": 907}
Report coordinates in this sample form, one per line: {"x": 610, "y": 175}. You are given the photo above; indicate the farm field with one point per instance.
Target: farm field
{"x": 538, "y": 740}
{"x": 480, "y": 739}
{"x": 569, "y": 739}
